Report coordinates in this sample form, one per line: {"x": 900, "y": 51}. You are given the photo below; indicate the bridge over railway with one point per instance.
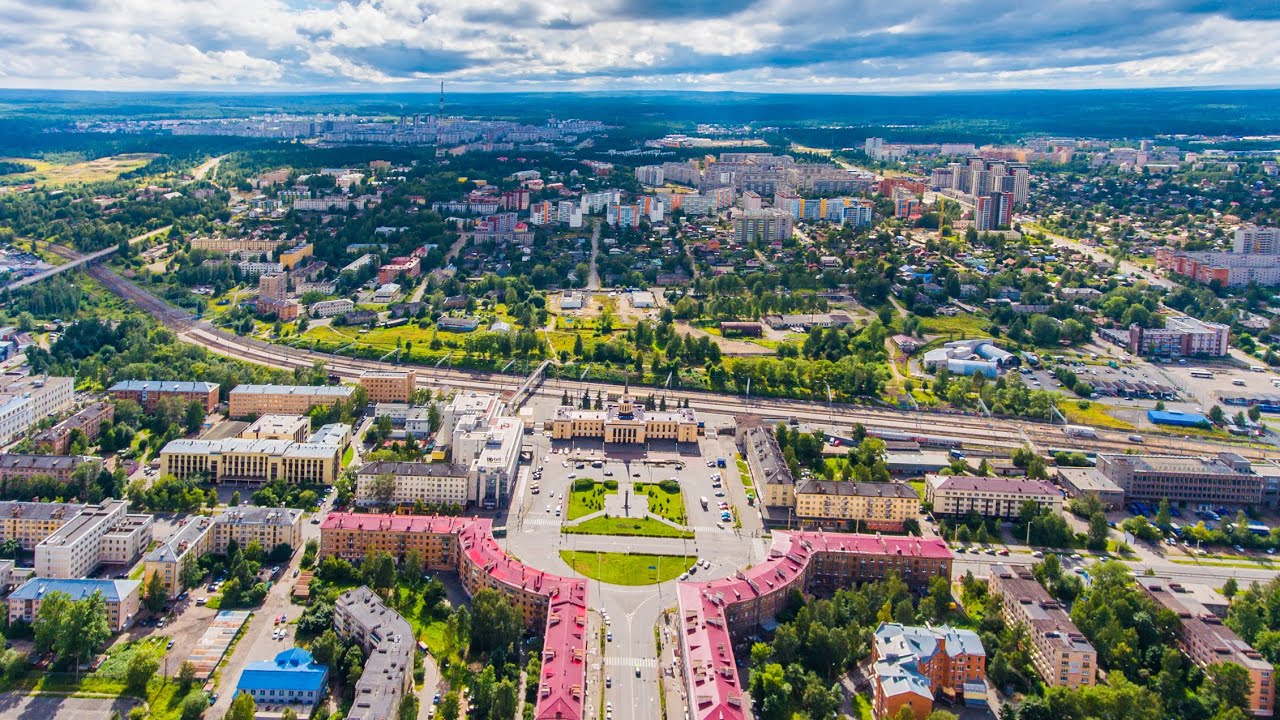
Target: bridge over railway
{"x": 76, "y": 260}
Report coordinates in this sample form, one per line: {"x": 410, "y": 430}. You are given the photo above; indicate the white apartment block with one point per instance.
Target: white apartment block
{"x": 650, "y": 175}
{"x": 101, "y": 533}
{"x": 1255, "y": 240}
{"x": 29, "y": 399}
{"x": 330, "y": 308}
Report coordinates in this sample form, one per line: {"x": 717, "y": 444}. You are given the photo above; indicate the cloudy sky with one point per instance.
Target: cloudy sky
{"x": 748, "y": 45}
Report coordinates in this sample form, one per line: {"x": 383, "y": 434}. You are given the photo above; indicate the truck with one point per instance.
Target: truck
{"x": 703, "y": 501}
{"x": 720, "y": 462}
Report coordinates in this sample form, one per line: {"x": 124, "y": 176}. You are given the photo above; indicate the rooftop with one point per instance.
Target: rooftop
{"x": 867, "y": 489}
{"x": 292, "y": 670}
{"x": 89, "y": 519}
{"x": 50, "y": 463}
{"x": 39, "y": 510}
{"x": 1043, "y": 613}
{"x": 1008, "y": 486}
{"x": 414, "y": 469}
{"x": 171, "y": 386}
{"x": 37, "y": 588}
{"x": 335, "y": 391}
{"x": 1200, "y": 623}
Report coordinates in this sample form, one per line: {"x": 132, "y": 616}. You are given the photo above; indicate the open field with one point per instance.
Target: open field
{"x": 107, "y": 168}
{"x": 641, "y": 527}
{"x": 627, "y": 569}
{"x": 585, "y": 502}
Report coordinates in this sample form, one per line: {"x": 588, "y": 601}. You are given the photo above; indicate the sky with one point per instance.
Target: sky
{"x": 839, "y": 46}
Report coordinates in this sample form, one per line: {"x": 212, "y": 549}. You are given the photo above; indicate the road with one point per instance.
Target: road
{"x": 75, "y": 259}
{"x": 209, "y": 166}
{"x": 593, "y": 277}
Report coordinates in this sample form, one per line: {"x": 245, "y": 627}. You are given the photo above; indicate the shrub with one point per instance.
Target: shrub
{"x": 611, "y": 484}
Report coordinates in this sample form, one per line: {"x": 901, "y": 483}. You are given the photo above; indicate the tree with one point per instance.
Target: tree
{"x": 190, "y": 573}
{"x": 142, "y": 666}
{"x": 1163, "y": 516}
{"x": 242, "y": 708}
{"x": 1230, "y": 588}
{"x": 235, "y": 499}
{"x": 496, "y": 626}
{"x": 1098, "y": 530}
{"x": 156, "y": 594}
{"x": 186, "y": 677}
{"x": 324, "y": 649}
{"x": 1229, "y": 685}
{"x": 380, "y": 571}
{"x": 409, "y": 708}
{"x": 504, "y": 700}
{"x": 383, "y": 488}
{"x": 449, "y": 706}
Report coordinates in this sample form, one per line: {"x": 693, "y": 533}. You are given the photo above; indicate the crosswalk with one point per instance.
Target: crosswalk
{"x": 630, "y": 662}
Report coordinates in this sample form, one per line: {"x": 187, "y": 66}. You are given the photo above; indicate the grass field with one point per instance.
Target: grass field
{"x": 964, "y": 324}
{"x": 669, "y": 505}
{"x": 638, "y": 527}
{"x": 107, "y": 168}
{"x": 585, "y": 502}
{"x": 627, "y": 569}
{"x": 1096, "y": 414}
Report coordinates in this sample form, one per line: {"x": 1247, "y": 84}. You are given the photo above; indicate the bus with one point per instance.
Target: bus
{"x": 703, "y": 500}
{"x": 1206, "y": 374}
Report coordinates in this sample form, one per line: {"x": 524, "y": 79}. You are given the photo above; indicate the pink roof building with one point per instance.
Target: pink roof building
{"x": 712, "y": 612}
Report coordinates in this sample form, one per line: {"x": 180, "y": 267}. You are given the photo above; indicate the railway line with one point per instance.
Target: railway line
{"x": 997, "y": 435}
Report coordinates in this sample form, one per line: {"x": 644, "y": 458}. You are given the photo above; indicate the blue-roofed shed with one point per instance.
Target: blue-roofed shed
{"x": 1180, "y": 419}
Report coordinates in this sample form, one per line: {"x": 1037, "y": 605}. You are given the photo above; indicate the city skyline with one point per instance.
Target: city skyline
{"x": 760, "y": 46}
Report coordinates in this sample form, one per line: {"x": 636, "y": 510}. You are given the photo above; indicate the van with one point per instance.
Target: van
{"x": 1256, "y": 368}
{"x": 1237, "y": 382}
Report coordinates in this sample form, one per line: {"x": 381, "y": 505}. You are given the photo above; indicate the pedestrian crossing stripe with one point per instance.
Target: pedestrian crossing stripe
{"x": 631, "y": 662}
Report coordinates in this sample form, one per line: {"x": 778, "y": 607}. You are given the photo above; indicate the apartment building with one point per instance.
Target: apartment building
{"x": 1181, "y": 337}
{"x": 913, "y": 665}
{"x": 712, "y": 613}
{"x": 551, "y": 603}
{"x": 435, "y": 483}
{"x": 388, "y": 641}
{"x": 76, "y": 548}
{"x": 866, "y": 506}
{"x": 148, "y": 392}
{"x": 290, "y": 258}
{"x": 387, "y": 386}
{"x": 251, "y": 400}
{"x": 198, "y": 535}
{"x": 1061, "y": 653}
{"x": 253, "y": 460}
{"x": 330, "y": 308}
{"x": 1256, "y": 240}
{"x": 1227, "y": 479}
{"x": 27, "y": 399}
{"x": 121, "y": 598}
{"x": 57, "y": 439}
{"x": 1207, "y": 641}
{"x": 624, "y": 422}
{"x": 235, "y": 246}
{"x": 31, "y": 522}
{"x": 59, "y": 467}
{"x": 998, "y": 497}
{"x": 773, "y": 478}
{"x": 763, "y": 225}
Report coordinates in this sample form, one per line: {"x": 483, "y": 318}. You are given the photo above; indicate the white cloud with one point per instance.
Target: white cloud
{"x": 711, "y": 44}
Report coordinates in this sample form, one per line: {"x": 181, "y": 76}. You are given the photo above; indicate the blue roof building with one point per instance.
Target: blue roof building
{"x": 1180, "y": 419}
{"x": 293, "y": 678}
{"x": 120, "y": 597}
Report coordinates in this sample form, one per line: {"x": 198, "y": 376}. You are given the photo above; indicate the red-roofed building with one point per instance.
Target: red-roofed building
{"x": 466, "y": 545}
{"x": 712, "y": 612}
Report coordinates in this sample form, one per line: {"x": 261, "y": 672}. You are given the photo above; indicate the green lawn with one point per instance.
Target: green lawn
{"x": 669, "y": 505}
{"x": 966, "y": 324}
{"x": 347, "y": 455}
{"x": 862, "y": 706}
{"x": 627, "y": 569}
{"x": 585, "y": 502}
{"x": 644, "y": 527}
{"x": 1095, "y": 414}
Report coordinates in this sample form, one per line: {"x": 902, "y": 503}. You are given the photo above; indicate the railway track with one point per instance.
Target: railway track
{"x": 996, "y": 434}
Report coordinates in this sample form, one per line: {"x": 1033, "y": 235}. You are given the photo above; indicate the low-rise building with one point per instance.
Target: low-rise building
{"x": 1207, "y": 641}
{"x": 1080, "y": 481}
{"x": 1060, "y": 652}
{"x": 148, "y": 392}
{"x": 59, "y": 467}
{"x": 293, "y": 678}
{"x": 388, "y": 386}
{"x": 997, "y": 497}
{"x": 253, "y": 400}
{"x": 866, "y": 506}
{"x": 1181, "y": 336}
{"x": 120, "y": 597}
{"x": 624, "y": 422}
{"x": 330, "y": 308}
{"x": 401, "y": 483}
{"x": 57, "y": 439}
{"x": 31, "y": 522}
{"x": 253, "y": 461}
{"x": 913, "y": 665}
{"x": 388, "y": 641}
{"x": 1227, "y": 479}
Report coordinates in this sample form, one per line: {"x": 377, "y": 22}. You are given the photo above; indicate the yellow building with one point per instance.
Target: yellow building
{"x": 870, "y": 506}
{"x": 268, "y": 527}
{"x": 290, "y": 258}
{"x": 388, "y": 386}
{"x": 770, "y": 471}
{"x": 235, "y": 246}
{"x": 624, "y": 422}
{"x": 31, "y": 522}
{"x": 254, "y": 400}
{"x": 267, "y": 451}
